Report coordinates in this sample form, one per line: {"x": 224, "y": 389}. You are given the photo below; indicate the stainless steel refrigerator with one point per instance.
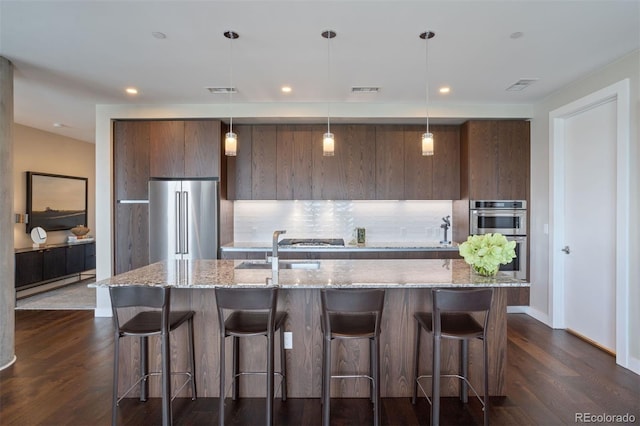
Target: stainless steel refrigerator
{"x": 183, "y": 219}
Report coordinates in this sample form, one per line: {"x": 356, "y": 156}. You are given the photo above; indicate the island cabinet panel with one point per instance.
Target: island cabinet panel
{"x": 263, "y": 162}
{"x": 304, "y": 360}
{"x": 294, "y": 162}
{"x": 390, "y": 170}
{"x": 497, "y": 153}
{"x": 350, "y": 173}
{"x": 131, "y": 160}
{"x": 131, "y": 237}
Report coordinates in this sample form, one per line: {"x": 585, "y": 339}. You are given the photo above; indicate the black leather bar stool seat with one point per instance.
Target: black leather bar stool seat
{"x": 160, "y": 321}
{"x": 451, "y": 318}
{"x": 351, "y": 314}
{"x": 250, "y": 312}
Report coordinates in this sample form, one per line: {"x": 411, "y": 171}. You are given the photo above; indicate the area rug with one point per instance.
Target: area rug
{"x": 72, "y": 297}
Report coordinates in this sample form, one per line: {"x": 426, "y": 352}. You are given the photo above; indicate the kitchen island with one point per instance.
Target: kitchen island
{"x": 408, "y": 284}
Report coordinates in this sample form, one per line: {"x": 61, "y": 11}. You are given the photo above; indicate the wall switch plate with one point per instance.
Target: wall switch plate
{"x": 288, "y": 340}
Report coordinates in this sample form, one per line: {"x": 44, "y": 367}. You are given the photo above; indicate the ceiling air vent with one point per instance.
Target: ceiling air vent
{"x": 365, "y": 89}
{"x": 521, "y": 84}
{"x": 222, "y": 90}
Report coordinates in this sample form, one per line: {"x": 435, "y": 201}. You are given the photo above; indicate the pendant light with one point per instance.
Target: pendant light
{"x": 427, "y": 137}
{"x": 328, "y": 141}
{"x": 230, "y": 138}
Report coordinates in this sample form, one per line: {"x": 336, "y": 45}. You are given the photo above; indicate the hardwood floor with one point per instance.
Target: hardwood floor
{"x": 63, "y": 377}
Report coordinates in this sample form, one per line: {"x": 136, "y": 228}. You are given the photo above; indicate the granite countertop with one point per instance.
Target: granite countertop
{"x": 377, "y": 246}
{"x": 410, "y": 273}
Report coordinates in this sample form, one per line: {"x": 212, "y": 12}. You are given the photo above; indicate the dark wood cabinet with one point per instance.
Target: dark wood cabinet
{"x": 239, "y": 167}
{"x": 294, "y": 163}
{"x": 39, "y": 266}
{"x": 263, "y": 162}
{"x": 158, "y": 148}
{"x": 390, "y": 162}
{"x": 131, "y": 160}
{"x": 496, "y": 159}
{"x": 350, "y": 173}
{"x": 131, "y": 237}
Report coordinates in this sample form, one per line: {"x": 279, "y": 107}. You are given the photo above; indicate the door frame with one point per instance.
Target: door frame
{"x": 618, "y": 93}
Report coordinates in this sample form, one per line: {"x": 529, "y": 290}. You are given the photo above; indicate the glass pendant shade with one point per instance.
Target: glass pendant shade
{"x": 230, "y": 144}
{"x": 427, "y": 143}
{"x": 328, "y": 146}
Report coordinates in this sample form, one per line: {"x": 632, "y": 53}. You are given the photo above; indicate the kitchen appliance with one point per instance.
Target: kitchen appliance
{"x": 312, "y": 242}
{"x": 509, "y": 218}
{"x": 505, "y": 217}
{"x": 183, "y": 219}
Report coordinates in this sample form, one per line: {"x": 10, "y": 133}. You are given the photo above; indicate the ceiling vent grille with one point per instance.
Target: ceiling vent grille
{"x": 222, "y": 90}
{"x": 521, "y": 84}
{"x": 363, "y": 89}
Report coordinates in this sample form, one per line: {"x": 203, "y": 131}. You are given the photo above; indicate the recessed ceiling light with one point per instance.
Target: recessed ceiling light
{"x": 286, "y": 89}
{"x": 221, "y": 90}
{"x": 58, "y": 125}
{"x": 159, "y": 35}
{"x": 131, "y": 90}
{"x": 445, "y": 89}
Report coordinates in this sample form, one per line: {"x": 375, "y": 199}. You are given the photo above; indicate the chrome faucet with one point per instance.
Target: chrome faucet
{"x": 274, "y": 256}
{"x": 446, "y": 225}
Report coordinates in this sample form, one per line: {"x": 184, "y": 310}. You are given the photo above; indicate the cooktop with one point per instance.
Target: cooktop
{"x": 312, "y": 242}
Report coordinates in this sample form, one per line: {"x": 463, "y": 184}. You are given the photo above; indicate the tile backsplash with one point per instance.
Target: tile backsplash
{"x": 385, "y": 221}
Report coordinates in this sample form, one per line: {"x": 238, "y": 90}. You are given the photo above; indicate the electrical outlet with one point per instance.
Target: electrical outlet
{"x": 288, "y": 340}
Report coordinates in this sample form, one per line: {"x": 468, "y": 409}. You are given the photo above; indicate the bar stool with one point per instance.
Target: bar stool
{"x": 451, "y": 318}
{"x": 160, "y": 321}
{"x": 351, "y": 314}
{"x": 253, "y": 313}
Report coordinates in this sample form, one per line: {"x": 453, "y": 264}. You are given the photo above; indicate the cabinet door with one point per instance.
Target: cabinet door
{"x": 89, "y": 256}
{"x": 131, "y": 237}
{"x": 330, "y": 173}
{"x": 514, "y": 160}
{"x": 28, "y": 268}
{"x": 294, "y": 162}
{"x": 446, "y": 163}
{"x": 239, "y": 167}
{"x": 54, "y": 263}
{"x": 167, "y": 149}
{"x": 74, "y": 259}
{"x": 263, "y": 162}
{"x": 360, "y": 144}
{"x": 201, "y": 148}
{"x": 418, "y": 178}
{"x": 131, "y": 160}
{"x": 483, "y": 159}
{"x": 390, "y": 162}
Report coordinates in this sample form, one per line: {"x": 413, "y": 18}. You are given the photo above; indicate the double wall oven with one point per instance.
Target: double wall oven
{"x": 509, "y": 218}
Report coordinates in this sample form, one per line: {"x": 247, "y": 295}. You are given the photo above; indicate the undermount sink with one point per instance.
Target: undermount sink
{"x": 283, "y": 264}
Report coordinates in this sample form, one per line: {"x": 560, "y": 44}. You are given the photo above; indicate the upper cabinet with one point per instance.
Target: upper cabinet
{"x": 495, "y": 160}
{"x": 131, "y": 160}
{"x": 185, "y": 148}
{"x": 371, "y": 162}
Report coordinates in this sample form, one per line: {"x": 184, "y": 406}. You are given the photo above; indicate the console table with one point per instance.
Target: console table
{"x": 35, "y": 266}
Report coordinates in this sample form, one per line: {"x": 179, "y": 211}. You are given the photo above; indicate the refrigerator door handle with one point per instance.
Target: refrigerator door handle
{"x": 185, "y": 219}
{"x": 178, "y": 211}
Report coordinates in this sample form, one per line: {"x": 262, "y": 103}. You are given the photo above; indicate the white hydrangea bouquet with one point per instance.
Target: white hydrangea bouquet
{"x": 485, "y": 253}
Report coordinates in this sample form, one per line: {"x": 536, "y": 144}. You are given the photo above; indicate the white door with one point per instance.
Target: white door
{"x": 590, "y": 223}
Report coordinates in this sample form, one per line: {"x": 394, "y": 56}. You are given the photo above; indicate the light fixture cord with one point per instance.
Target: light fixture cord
{"x": 426, "y": 69}
{"x": 231, "y": 83}
{"x": 328, "y": 78}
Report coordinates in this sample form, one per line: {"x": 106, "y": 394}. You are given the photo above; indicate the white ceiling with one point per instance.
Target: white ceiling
{"x": 70, "y": 56}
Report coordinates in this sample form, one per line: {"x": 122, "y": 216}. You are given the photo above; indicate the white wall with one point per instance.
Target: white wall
{"x": 39, "y": 151}
{"x": 626, "y": 67}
